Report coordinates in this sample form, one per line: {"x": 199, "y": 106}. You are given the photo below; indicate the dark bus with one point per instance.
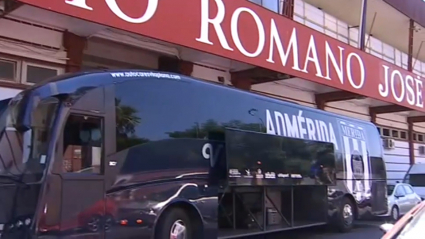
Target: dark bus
{"x": 142, "y": 154}
{"x": 3, "y": 105}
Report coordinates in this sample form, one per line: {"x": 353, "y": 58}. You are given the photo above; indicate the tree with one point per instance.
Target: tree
{"x": 127, "y": 120}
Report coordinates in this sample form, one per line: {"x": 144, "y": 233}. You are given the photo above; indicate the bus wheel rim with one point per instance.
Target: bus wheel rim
{"x": 178, "y": 230}
{"x": 348, "y": 214}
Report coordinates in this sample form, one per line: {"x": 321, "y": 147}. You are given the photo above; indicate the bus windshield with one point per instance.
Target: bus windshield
{"x": 23, "y": 150}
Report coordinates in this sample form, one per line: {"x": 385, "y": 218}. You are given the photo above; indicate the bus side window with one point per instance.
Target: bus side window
{"x": 83, "y": 144}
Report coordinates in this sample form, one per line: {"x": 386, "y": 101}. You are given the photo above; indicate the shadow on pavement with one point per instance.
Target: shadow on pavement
{"x": 363, "y": 228}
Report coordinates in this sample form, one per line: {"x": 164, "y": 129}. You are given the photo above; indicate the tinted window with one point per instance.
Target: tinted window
{"x": 83, "y": 142}
{"x": 36, "y": 74}
{"x": 3, "y": 105}
{"x": 7, "y": 70}
{"x": 390, "y": 189}
{"x": 278, "y": 160}
{"x": 378, "y": 168}
{"x": 152, "y": 110}
{"x": 150, "y": 113}
{"x": 417, "y": 180}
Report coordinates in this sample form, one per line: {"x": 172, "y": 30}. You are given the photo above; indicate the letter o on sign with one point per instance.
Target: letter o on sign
{"x": 207, "y": 151}
{"x": 150, "y": 11}
{"x": 235, "y": 32}
{"x": 349, "y": 71}
{"x": 394, "y": 75}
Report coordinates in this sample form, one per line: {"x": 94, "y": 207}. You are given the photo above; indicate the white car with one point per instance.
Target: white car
{"x": 401, "y": 198}
{"x": 416, "y": 177}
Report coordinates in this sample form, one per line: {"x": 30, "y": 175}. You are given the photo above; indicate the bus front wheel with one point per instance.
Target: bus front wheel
{"x": 176, "y": 224}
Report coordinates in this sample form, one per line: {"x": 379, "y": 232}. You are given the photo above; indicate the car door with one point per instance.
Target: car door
{"x": 413, "y": 198}
{"x": 400, "y": 199}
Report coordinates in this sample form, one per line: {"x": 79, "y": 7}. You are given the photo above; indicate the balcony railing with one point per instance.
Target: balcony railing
{"x": 320, "y": 21}
{"x": 273, "y": 5}
{"x": 315, "y": 18}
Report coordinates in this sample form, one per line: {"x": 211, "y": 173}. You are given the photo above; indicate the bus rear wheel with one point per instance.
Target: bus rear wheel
{"x": 346, "y": 216}
{"x": 175, "y": 224}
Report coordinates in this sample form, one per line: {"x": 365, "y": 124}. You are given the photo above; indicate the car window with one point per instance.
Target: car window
{"x": 416, "y": 180}
{"x": 400, "y": 191}
{"x": 408, "y": 189}
{"x": 390, "y": 189}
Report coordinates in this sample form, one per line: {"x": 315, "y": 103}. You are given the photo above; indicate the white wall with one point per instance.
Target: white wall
{"x": 123, "y": 55}
{"x": 285, "y": 92}
{"x": 315, "y": 18}
{"x": 397, "y": 161}
{"x": 210, "y": 74}
{"x": 419, "y": 158}
{"x": 30, "y": 41}
{"x": 8, "y": 93}
{"x": 29, "y": 45}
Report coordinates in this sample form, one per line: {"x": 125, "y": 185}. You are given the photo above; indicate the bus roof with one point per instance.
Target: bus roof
{"x": 72, "y": 83}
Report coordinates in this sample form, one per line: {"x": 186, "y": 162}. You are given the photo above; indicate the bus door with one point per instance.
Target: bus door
{"x": 82, "y": 176}
{"x": 79, "y": 164}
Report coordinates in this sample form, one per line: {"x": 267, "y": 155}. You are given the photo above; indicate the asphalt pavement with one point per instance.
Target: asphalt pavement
{"x": 369, "y": 230}
{"x": 363, "y": 231}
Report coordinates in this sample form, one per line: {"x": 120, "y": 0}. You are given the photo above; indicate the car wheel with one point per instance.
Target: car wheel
{"x": 108, "y": 222}
{"x": 395, "y": 213}
{"x": 93, "y": 224}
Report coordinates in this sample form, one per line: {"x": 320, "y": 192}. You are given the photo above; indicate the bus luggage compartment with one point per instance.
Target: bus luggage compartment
{"x": 272, "y": 183}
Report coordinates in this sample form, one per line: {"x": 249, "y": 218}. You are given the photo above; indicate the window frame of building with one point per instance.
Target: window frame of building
{"x": 262, "y": 3}
{"x": 25, "y": 64}
{"x": 93, "y": 64}
{"x": 18, "y": 67}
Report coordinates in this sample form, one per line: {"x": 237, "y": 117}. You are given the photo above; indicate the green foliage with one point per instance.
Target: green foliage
{"x": 127, "y": 120}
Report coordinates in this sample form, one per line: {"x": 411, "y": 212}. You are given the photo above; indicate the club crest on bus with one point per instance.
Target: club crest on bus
{"x": 357, "y": 163}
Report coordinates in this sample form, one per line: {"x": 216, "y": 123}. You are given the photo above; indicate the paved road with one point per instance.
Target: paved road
{"x": 368, "y": 232}
{"x": 364, "y": 231}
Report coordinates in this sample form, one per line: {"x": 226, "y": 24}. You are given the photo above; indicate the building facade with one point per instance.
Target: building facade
{"x": 305, "y": 51}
